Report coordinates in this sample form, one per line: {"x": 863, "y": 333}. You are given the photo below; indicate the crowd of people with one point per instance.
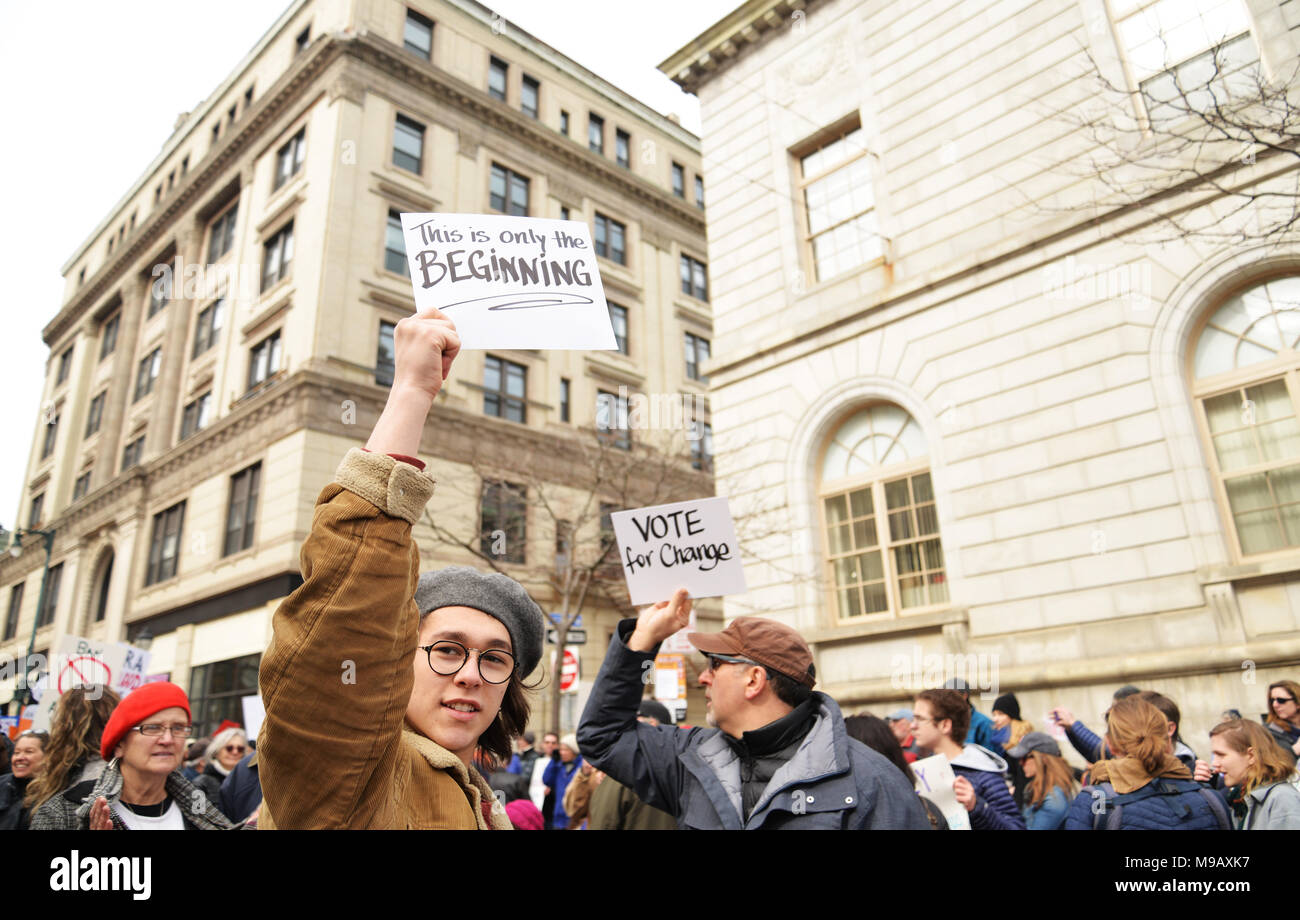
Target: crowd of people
{"x": 431, "y": 733}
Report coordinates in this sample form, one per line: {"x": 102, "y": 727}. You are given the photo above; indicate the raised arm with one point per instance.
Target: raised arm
{"x": 337, "y": 676}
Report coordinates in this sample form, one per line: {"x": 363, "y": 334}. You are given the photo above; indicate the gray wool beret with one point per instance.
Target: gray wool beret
{"x": 498, "y": 596}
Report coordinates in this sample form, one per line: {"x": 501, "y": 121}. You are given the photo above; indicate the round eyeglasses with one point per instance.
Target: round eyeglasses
{"x": 447, "y": 657}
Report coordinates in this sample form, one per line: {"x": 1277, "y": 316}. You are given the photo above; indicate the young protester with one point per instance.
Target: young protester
{"x": 940, "y": 718}
{"x": 26, "y": 761}
{"x": 1246, "y": 755}
{"x": 1049, "y": 781}
{"x": 1284, "y": 714}
{"x": 141, "y": 788}
{"x": 882, "y": 737}
{"x": 1143, "y": 786}
{"x": 72, "y": 756}
{"x": 379, "y": 682}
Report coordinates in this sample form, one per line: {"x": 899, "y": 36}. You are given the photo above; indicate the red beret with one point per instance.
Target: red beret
{"x": 138, "y": 705}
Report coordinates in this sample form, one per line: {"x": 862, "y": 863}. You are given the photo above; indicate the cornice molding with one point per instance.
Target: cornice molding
{"x": 726, "y": 41}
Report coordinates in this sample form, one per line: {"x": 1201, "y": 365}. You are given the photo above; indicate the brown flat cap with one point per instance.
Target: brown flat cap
{"x": 771, "y": 644}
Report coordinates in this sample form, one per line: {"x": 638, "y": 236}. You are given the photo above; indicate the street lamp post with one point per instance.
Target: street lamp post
{"x": 15, "y": 549}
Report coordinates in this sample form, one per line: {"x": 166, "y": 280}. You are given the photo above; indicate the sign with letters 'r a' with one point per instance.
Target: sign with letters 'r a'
{"x": 510, "y": 282}
{"x": 689, "y": 545}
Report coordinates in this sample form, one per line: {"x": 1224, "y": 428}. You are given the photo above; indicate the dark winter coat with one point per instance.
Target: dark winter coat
{"x": 995, "y": 809}
{"x": 830, "y": 781}
{"x": 13, "y": 816}
{"x": 209, "y": 783}
{"x": 70, "y": 809}
{"x": 558, "y": 776}
{"x": 1163, "y": 804}
{"x": 242, "y": 790}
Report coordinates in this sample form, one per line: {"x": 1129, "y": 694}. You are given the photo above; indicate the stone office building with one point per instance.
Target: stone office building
{"x": 188, "y": 430}
{"x": 1019, "y": 436}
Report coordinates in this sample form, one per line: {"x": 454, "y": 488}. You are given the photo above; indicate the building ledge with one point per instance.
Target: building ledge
{"x": 924, "y": 622}
{"x": 700, "y": 59}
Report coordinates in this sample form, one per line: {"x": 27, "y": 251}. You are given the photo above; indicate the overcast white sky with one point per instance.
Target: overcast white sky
{"x": 91, "y": 91}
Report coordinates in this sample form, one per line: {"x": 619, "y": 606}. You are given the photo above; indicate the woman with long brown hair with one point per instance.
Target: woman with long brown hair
{"x": 1144, "y": 786}
{"x": 1247, "y": 757}
{"x": 72, "y": 756}
{"x": 1284, "y": 714}
{"x": 1049, "y": 781}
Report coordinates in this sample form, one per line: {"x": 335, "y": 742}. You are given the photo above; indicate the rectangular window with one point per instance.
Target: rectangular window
{"x": 46, "y": 614}
{"x": 595, "y": 133}
{"x": 160, "y": 291}
{"x": 81, "y": 486}
{"x": 248, "y": 98}
{"x": 385, "y": 357}
{"x": 839, "y": 206}
{"x": 37, "y": 510}
{"x": 230, "y": 115}
{"x": 529, "y": 95}
{"x": 185, "y": 166}
{"x": 216, "y": 134}
{"x": 277, "y": 256}
{"x": 503, "y": 521}
{"x": 508, "y": 192}
{"x": 302, "y": 41}
{"x": 679, "y": 180}
{"x": 147, "y": 374}
{"x": 702, "y": 446}
{"x": 622, "y": 148}
{"x": 418, "y": 36}
{"x": 241, "y": 514}
{"x": 15, "y": 607}
{"x": 289, "y": 158}
{"x": 697, "y": 352}
{"x": 264, "y": 360}
{"x": 610, "y": 239}
{"x": 51, "y": 433}
{"x": 217, "y": 691}
{"x": 208, "y": 326}
{"x": 194, "y": 418}
{"x": 394, "y": 244}
{"x": 699, "y": 192}
{"x": 505, "y": 389}
{"x": 65, "y": 365}
{"x": 564, "y": 122}
{"x": 131, "y": 453}
{"x": 108, "y": 336}
{"x": 695, "y": 280}
{"x": 95, "y": 415}
{"x": 408, "y": 144}
{"x": 611, "y": 419}
{"x": 497, "y": 70}
{"x": 81, "y": 277}
{"x": 165, "y": 544}
{"x": 618, "y": 319}
{"x": 222, "y": 235}
{"x": 564, "y": 399}
{"x": 564, "y": 213}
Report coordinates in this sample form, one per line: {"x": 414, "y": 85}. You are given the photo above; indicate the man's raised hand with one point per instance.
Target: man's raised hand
{"x": 657, "y": 623}
{"x": 424, "y": 347}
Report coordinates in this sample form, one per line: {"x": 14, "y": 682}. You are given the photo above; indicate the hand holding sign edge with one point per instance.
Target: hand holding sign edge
{"x": 657, "y": 623}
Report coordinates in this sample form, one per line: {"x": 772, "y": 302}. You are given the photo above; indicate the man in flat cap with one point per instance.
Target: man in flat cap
{"x": 778, "y": 756}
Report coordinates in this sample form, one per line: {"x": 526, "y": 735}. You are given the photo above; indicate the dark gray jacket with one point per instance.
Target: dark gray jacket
{"x": 70, "y": 809}
{"x": 832, "y": 781}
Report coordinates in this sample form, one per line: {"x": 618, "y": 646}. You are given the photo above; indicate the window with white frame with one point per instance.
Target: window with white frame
{"x": 840, "y": 229}
{"x": 880, "y": 528}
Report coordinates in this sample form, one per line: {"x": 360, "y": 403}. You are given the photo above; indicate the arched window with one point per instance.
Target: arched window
{"x": 1246, "y": 382}
{"x": 102, "y": 582}
{"x": 880, "y": 528}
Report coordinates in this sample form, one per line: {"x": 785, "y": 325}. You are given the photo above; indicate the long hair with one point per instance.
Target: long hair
{"x": 75, "y": 734}
{"x": 1139, "y": 730}
{"x": 1051, "y": 772}
{"x": 875, "y": 733}
{"x": 1270, "y": 766}
{"x": 1290, "y": 687}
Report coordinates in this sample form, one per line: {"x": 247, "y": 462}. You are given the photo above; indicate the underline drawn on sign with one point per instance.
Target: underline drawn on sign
{"x": 83, "y": 671}
{"x": 527, "y": 302}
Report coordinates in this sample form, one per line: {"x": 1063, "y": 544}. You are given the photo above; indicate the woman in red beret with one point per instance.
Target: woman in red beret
{"x": 142, "y": 787}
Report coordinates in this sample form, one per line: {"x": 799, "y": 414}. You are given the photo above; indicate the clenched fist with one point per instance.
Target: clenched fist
{"x": 424, "y": 346}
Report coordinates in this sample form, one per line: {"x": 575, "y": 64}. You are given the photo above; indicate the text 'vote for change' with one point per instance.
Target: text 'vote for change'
{"x": 510, "y": 282}
{"x": 689, "y": 545}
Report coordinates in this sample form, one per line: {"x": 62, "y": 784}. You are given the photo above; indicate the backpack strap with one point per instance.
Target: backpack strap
{"x": 1107, "y": 818}
{"x": 1217, "y": 808}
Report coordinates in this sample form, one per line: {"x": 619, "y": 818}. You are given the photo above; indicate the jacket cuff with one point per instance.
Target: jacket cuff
{"x": 397, "y": 489}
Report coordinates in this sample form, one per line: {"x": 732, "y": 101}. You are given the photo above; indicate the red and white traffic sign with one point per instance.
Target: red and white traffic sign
{"x": 569, "y": 671}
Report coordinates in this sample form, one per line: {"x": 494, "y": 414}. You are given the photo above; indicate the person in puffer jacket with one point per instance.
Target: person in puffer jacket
{"x": 941, "y": 717}
{"x": 1151, "y": 788}
{"x": 1092, "y": 747}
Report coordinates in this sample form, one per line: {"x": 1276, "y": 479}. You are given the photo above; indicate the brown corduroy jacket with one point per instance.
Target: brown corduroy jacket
{"x": 334, "y": 751}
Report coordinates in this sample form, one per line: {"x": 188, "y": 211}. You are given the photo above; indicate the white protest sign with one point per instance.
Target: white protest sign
{"x": 934, "y": 779}
{"x": 81, "y": 662}
{"x": 689, "y": 545}
{"x": 510, "y": 282}
{"x": 254, "y": 714}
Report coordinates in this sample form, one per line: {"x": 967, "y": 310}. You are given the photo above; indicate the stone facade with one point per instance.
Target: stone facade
{"x": 1087, "y": 537}
{"x": 298, "y": 144}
